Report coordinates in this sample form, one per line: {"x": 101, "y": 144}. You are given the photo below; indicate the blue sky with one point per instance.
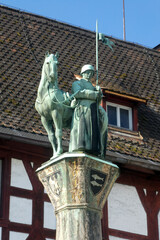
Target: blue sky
{"x": 142, "y": 16}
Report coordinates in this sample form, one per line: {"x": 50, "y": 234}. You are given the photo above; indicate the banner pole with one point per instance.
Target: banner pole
{"x": 97, "y": 53}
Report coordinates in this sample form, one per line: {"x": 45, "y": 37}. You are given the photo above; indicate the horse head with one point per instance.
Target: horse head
{"x": 50, "y": 67}
{"x": 49, "y": 75}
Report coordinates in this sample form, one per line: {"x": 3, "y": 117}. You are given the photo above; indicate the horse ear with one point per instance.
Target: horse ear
{"x": 57, "y": 55}
{"x": 47, "y": 54}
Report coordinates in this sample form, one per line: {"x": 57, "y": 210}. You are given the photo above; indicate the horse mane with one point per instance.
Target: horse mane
{"x": 43, "y": 85}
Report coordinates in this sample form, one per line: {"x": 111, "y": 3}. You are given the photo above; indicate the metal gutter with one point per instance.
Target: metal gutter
{"x": 28, "y": 138}
{"x": 136, "y": 161}
{"x": 41, "y": 140}
{"x": 25, "y": 137}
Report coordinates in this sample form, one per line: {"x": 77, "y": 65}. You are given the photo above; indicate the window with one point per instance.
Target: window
{"x": 119, "y": 116}
{"x": 0, "y": 187}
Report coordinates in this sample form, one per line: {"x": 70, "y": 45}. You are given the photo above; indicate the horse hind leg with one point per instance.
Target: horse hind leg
{"x": 48, "y": 125}
{"x": 57, "y": 118}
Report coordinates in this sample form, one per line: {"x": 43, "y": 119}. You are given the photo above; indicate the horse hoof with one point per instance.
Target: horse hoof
{"x": 59, "y": 152}
{"x": 56, "y": 155}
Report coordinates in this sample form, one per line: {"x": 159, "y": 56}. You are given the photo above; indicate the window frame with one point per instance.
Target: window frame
{"x": 118, "y": 107}
{"x": 1, "y": 186}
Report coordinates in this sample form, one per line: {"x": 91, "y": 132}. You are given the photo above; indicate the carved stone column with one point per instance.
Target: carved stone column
{"x": 78, "y": 185}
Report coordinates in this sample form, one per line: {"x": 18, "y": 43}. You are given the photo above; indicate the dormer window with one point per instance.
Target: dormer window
{"x": 119, "y": 116}
{"x": 121, "y": 110}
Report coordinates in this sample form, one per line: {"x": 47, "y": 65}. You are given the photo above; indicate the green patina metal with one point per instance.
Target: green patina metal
{"x": 49, "y": 104}
{"x": 89, "y": 121}
{"x": 80, "y": 111}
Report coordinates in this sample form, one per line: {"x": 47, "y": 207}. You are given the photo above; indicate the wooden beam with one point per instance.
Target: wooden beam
{"x": 126, "y": 96}
{"x": 105, "y": 233}
{"x": 126, "y": 235}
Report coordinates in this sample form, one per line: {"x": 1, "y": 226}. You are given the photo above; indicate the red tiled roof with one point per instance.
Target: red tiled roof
{"x": 131, "y": 69}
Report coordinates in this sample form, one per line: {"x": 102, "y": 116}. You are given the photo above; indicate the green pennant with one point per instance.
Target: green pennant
{"x": 106, "y": 41}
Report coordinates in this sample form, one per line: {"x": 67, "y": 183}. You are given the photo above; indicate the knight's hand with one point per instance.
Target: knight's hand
{"x": 74, "y": 102}
{"x": 98, "y": 94}
{"x": 98, "y": 88}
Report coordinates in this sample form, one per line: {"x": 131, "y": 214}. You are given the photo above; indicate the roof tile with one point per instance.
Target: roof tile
{"x": 131, "y": 69}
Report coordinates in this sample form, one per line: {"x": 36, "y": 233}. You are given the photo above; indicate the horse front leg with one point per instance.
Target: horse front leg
{"x": 57, "y": 118}
{"x": 48, "y": 125}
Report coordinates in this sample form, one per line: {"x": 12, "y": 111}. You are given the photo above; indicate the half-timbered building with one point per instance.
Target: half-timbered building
{"x": 130, "y": 80}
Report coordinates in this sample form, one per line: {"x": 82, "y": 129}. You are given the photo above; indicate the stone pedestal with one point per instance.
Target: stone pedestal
{"x": 78, "y": 185}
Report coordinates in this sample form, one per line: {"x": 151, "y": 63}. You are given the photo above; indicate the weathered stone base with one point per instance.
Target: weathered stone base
{"x": 78, "y": 185}
{"x": 79, "y": 224}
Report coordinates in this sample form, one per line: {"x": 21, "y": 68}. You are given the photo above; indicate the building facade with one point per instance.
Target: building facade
{"x": 130, "y": 80}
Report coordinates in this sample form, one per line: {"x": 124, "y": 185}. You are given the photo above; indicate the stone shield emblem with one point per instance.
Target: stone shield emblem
{"x": 97, "y": 180}
{"x": 55, "y": 182}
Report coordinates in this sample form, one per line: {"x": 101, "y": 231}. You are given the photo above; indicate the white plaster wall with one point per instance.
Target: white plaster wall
{"x": 116, "y": 238}
{"x": 159, "y": 223}
{"x": 17, "y": 236}
{"x": 49, "y": 216}
{"x": 19, "y": 177}
{"x": 20, "y": 210}
{"x": 125, "y": 210}
{"x": 0, "y": 175}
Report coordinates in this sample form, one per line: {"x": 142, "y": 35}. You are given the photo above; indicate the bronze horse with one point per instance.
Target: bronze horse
{"x": 53, "y": 104}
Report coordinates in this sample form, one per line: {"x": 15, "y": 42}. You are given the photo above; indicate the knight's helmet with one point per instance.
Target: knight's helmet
{"x": 87, "y": 67}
